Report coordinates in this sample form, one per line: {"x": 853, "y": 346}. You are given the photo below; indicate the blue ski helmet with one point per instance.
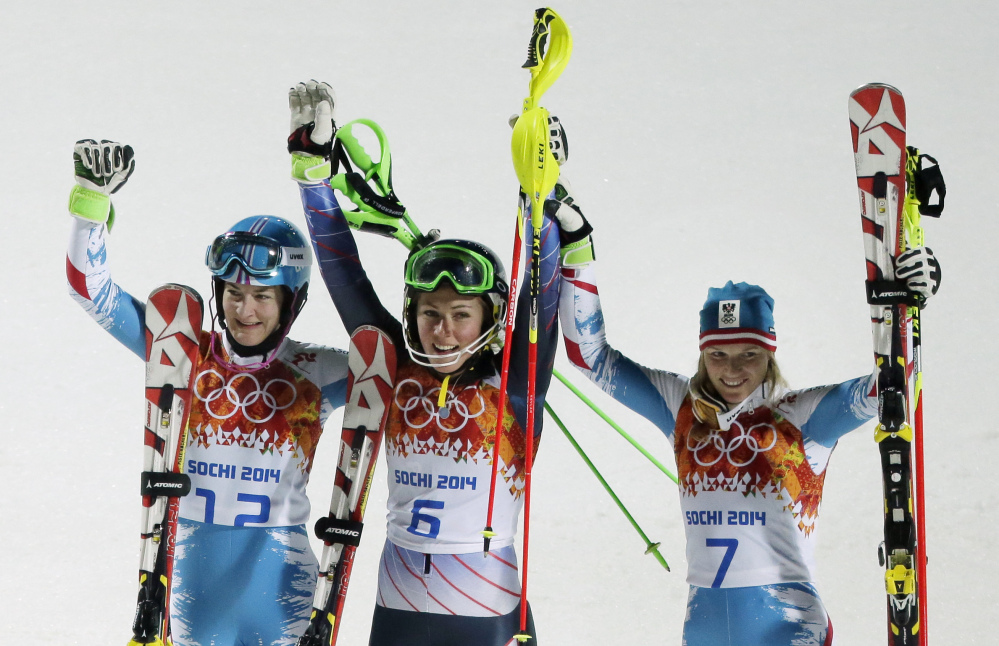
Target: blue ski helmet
{"x": 738, "y": 313}
{"x": 263, "y": 250}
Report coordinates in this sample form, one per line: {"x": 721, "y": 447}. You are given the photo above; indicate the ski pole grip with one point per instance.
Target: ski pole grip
{"x": 336, "y": 531}
{"x": 169, "y": 484}
{"x": 384, "y": 205}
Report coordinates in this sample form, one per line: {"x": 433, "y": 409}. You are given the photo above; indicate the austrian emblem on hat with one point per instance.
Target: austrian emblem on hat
{"x": 728, "y": 314}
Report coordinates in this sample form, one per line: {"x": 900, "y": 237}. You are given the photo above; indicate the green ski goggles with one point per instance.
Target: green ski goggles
{"x": 468, "y": 271}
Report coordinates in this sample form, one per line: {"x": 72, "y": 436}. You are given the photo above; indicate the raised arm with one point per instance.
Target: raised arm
{"x": 654, "y": 394}
{"x": 101, "y": 169}
{"x": 310, "y": 144}
{"x": 547, "y": 322}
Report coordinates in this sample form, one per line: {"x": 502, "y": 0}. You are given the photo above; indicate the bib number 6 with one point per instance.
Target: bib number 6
{"x": 420, "y": 518}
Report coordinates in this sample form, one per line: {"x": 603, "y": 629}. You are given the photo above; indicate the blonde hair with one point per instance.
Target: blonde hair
{"x": 775, "y": 387}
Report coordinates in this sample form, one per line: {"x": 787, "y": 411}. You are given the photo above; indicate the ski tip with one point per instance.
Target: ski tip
{"x": 875, "y": 86}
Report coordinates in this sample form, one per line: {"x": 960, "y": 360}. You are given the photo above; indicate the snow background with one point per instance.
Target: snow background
{"x": 709, "y": 141}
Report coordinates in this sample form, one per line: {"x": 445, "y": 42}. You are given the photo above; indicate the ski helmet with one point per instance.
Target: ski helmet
{"x": 262, "y": 250}
{"x": 470, "y": 268}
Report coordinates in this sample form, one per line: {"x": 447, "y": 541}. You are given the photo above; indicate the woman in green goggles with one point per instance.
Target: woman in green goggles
{"x": 456, "y": 300}
{"x": 434, "y": 586}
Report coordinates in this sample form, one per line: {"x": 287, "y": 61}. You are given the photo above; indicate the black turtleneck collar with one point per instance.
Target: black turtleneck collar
{"x": 261, "y": 349}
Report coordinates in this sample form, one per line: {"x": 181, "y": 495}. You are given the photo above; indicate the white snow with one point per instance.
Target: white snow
{"x": 709, "y": 141}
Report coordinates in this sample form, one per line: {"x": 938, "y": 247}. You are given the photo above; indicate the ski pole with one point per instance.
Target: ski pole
{"x": 651, "y": 548}
{"x": 511, "y": 313}
{"x": 547, "y": 54}
{"x": 913, "y": 211}
{"x": 914, "y": 236}
{"x": 596, "y": 409}
{"x": 537, "y": 172}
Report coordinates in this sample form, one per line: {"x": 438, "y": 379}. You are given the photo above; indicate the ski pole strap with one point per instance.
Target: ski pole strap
{"x": 379, "y": 209}
{"x": 891, "y": 292}
{"x": 336, "y": 531}
{"x": 169, "y": 484}
{"x": 356, "y": 188}
{"x": 548, "y": 53}
{"x": 927, "y": 181}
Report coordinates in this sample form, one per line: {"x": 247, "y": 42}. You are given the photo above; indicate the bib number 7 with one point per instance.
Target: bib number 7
{"x": 730, "y": 545}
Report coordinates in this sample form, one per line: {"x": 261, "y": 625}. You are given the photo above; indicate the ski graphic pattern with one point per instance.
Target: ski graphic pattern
{"x": 878, "y": 129}
{"x": 370, "y": 384}
{"x": 173, "y": 316}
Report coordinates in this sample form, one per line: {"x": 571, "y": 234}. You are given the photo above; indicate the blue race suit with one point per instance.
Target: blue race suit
{"x": 244, "y": 571}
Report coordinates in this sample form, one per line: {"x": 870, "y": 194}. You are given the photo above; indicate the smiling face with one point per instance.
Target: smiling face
{"x": 448, "y": 322}
{"x": 252, "y": 313}
{"x": 736, "y": 370}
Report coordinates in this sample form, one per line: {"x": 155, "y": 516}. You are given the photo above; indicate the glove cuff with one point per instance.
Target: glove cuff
{"x": 89, "y": 205}
{"x": 309, "y": 169}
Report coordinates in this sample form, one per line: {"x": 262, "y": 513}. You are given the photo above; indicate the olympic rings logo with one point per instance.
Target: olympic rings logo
{"x": 413, "y": 405}
{"x": 266, "y": 395}
{"x": 742, "y": 440}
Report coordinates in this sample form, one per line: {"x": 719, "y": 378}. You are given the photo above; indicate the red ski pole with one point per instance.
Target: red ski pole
{"x": 547, "y": 54}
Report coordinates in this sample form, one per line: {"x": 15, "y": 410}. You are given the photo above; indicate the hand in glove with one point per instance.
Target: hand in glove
{"x": 919, "y": 268}
{"x": 312, "y": 128}
{"x": 101, "y": 169}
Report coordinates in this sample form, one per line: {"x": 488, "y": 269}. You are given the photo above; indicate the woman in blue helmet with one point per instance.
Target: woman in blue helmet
{"x": 751, "y": 453}
{"x": 435, "y": 585}
{"x": 244, "y": 571}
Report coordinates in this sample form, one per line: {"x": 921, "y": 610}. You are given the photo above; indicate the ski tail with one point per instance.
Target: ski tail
{"x": 174, "y": 314}
{"x": 372, "y": 363}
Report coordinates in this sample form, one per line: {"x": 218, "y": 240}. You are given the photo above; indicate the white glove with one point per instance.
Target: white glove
{"x": 101, "y": 169}
{"x": 563, "y": 208}
{"x": 312, "y": 128}
{"x": 919, "y": 268}
{"x": 313, "y": 103}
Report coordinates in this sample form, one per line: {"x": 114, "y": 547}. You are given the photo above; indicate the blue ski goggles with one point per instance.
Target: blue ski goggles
{"x": 468, "y": 271}
{"x": 257, "y": 254}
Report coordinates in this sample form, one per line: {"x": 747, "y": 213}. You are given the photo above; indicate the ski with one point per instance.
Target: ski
{"x": 370, "y": 383}
{"x": 878, "y": 128}
{"x": 173, "y": 327}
